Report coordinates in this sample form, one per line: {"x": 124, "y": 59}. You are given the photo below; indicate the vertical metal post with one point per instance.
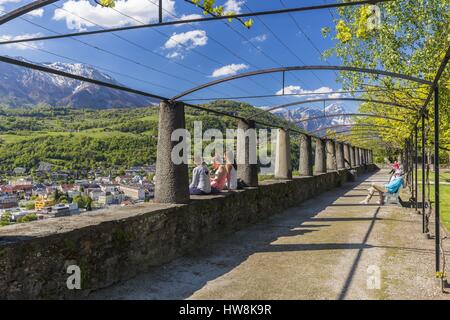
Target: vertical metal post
{"x": 411, "y": 152}
{"x": 423, "y": 174}
{"x": 160, "y": 11}
{"x": 416, "y": 145}
{"x": 436, "y": 179}
{"x": 411, "y": 163}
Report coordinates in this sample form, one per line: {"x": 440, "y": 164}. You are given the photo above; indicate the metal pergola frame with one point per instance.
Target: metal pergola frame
{"x": 300, "y": 68}
{"x": 41, "y": 3}
{"x": 357, "y": 125}
{"x": 291, "y": 104}
{"x": 433, "y": 85}
{"x": 370, "y": 115}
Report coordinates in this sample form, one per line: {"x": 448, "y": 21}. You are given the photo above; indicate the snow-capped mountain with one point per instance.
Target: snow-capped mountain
{"x": 306, "y": 113}
{"x": 21, "y": 86}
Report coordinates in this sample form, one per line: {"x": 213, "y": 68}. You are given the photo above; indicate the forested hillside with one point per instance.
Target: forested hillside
{"x": 77, "y": 139}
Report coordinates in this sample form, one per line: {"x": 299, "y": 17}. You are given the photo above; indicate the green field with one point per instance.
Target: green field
{"x": 444, "y": 196}
{"x": 444, "y": 175}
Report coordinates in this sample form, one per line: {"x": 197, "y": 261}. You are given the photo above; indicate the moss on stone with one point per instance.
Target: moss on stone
{"x": 121, "y": 237}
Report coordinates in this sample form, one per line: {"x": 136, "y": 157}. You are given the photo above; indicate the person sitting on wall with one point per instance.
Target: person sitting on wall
{"x": 220, "y": 177}
{"x": 392, "y": 187}
{"x": 394, "y": 169}
{"x": 231, "y": 169}
{"x": 200, "y": 178}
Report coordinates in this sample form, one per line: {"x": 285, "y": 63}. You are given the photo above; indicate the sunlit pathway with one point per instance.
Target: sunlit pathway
{"x": 330, "y": 247}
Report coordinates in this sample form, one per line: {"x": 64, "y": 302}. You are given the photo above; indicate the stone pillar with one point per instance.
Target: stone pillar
{"x": 305, "y": 159}
{"x": 357, "y": 158}
{"x": 347, "y": 160}
{"x": 246, "y": 153}
{"x": 340, "y": 155}
{"x": 363, "y": 156}
{"x": 283, "y": 163}
{"x": 331, "y": 155}
{"x": 172, "y": 179}
{"x": 353, "y": 156}
{"x": 320, "y": 161}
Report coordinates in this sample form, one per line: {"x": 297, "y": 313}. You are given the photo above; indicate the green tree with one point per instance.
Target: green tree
{"x": 88, "y": 202}
{"x": 412, "y": 39}
{"x": 5, "y": 219}
{"x": 27, "y": 218}
{"x": 29, "y": 205}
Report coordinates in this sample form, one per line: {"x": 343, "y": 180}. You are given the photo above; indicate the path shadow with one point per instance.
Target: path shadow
{"x": 354, "y": 205}
{"x": 355, "y": 196}
{"x": 13, "y": 239}
{"x": 351, "y": 274}
{"x": 184, "y": 276}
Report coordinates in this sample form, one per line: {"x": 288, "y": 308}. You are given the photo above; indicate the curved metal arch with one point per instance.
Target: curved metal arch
{"x": 364, "y": 135}
{"x": 24, "y": 9}
{"x": 350, "y": 115}
{"x": 351, "y": 125}
{"x": 361, "y": 138}
{"x": 365, "y": 139}
{"x": 291, "y": 104}
{"x": 359, "y": 143}
{"x": 360, "y": 130}
{"x": 300, "y": 68}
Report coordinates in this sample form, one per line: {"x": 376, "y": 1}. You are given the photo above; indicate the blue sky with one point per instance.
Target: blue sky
{"x": 197, "y": 53}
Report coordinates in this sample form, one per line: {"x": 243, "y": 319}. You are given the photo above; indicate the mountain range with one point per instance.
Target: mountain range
{"x": 24, "y": 87}
{"x": 305, "y": 113}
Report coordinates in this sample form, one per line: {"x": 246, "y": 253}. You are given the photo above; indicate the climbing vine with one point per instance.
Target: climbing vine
{"x": 411, "y": 38}
{"x": 209, "y": 7}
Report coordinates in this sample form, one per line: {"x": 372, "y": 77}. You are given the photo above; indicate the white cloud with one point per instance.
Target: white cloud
{"x": 188, "y": 17}
{"x": 36, "y": 13}
{"x": 229, "y": 70}
{"x": 191, "y": 16}
{"x": 260, "y": 38}
{"x": 192, "y": 38}
{"x": 110, "y": 18}
{"x": 323, "y": 92}
{"x": 2, "y": 2}
{"x": 19, "y": 46}
{"x": 233, "y": 6}
{"x": 181, "y": 43}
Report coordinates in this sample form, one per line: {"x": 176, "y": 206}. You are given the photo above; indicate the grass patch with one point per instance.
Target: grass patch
{"x": 444, "y": 196}
{"x": 263, "y": 177}
{"x": 444, "y": 174}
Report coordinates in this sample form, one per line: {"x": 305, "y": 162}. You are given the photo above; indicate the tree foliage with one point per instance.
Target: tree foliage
{"x": 411, "y": 39}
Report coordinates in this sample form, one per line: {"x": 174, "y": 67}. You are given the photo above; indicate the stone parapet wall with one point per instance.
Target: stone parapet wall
{"x": 116, "y": 244}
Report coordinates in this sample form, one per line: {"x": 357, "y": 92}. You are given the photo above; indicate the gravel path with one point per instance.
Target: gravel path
{"x": 330, "y": 247}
